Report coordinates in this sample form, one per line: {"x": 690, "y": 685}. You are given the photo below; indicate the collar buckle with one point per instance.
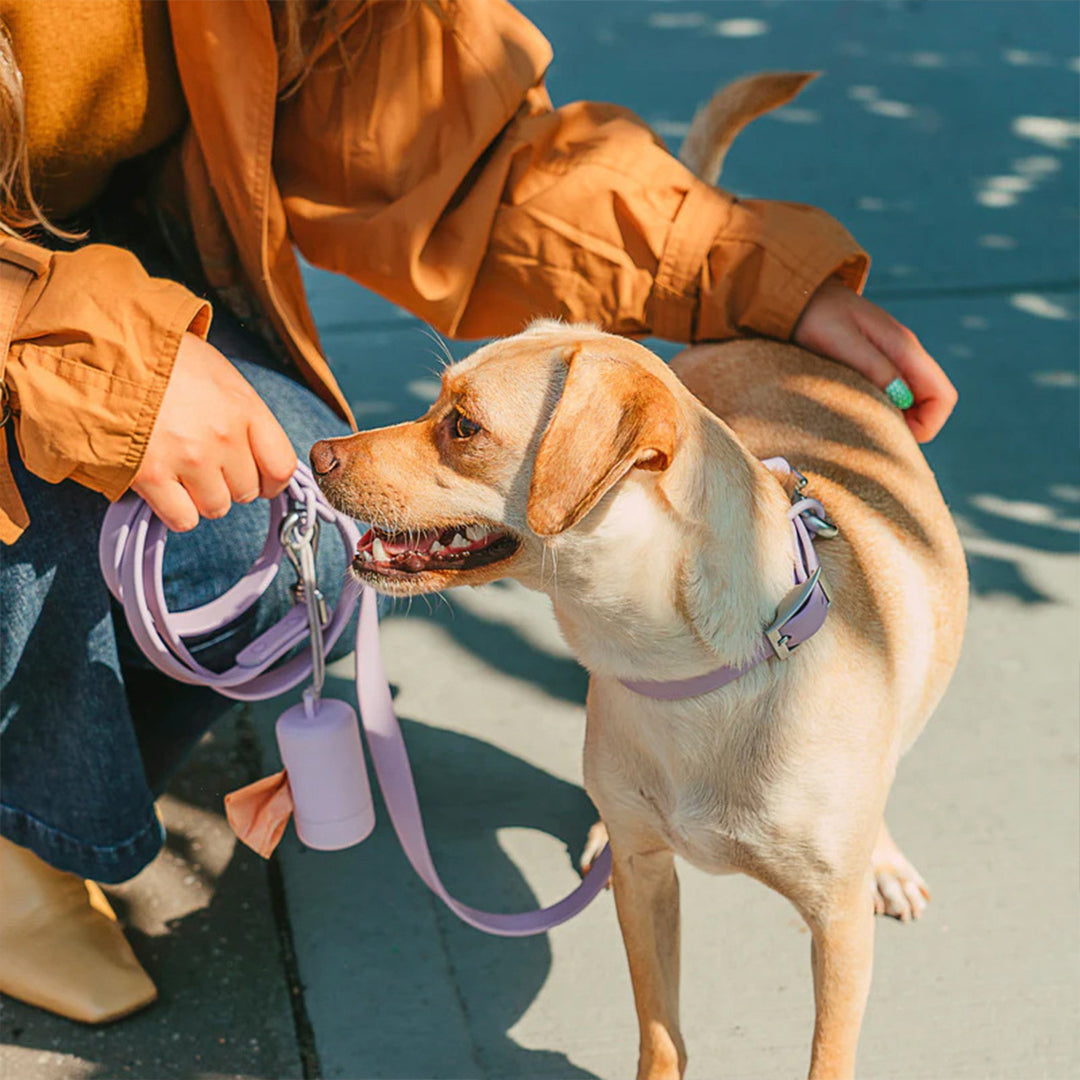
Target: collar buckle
{"x": 790, "y": 607}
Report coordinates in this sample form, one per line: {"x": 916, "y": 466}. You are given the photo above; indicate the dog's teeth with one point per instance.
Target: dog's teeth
{"x": 378, "y": 552}
{"x": 366, "y": 555}
{"x": 458, "y": 541}
{"x": 474, "y": 532}
{"x": 436, "y": 547}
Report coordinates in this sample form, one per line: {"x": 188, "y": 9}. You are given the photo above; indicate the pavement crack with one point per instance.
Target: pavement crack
{"x": 304, "y": 1031}
{"x": 439, "y": 916}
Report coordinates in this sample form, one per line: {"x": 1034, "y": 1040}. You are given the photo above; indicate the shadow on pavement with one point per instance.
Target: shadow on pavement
{"x": 200, "y": 921}
{"x": 470, "y": 791}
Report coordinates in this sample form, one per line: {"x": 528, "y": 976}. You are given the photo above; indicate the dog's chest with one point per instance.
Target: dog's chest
{"x": 703, "y": 788}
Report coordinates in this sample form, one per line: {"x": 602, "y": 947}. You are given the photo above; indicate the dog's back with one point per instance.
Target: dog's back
{"x": 843, "y": 433}
{"x": 896, "y": 533}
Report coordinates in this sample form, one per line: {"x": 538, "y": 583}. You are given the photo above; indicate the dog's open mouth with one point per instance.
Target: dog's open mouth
{"x": 462, "y": 547}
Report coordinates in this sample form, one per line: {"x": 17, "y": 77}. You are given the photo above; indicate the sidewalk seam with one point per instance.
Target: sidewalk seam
{"x": 438, "y": 915}
{"x": 275, "y": 881}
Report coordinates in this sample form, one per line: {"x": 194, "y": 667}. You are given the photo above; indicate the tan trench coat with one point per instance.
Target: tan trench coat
{"x": 429, "y": 167}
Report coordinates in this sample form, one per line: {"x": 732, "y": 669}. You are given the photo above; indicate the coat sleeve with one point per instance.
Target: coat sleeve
{"x": 430, "y": 166}
{"x": 92, "y": 350}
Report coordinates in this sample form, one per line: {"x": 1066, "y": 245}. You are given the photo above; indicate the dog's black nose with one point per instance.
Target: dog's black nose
{"x": 323, "y": 459}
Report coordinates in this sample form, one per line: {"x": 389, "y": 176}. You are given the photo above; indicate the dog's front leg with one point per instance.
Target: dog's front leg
{"x": 647, "y": 898}
{"x": 842, "y": 953}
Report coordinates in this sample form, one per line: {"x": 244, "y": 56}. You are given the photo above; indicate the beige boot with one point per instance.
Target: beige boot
{"x": 60, "y": 946}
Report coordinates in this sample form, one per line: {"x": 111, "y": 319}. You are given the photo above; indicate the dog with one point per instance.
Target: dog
{"x": 635, "y": 495}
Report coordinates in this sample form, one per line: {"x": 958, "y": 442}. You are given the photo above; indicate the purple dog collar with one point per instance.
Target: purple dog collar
{"x": 800, "y": 615}
{"x": 131, "y": 553}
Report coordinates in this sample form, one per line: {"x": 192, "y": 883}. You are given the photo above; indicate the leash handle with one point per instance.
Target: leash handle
{"x": 131, "y": 553}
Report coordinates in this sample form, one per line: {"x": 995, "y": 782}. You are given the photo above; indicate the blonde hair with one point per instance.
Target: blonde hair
{"x": 19, "y": 210}
{"x": 301, "y": 28}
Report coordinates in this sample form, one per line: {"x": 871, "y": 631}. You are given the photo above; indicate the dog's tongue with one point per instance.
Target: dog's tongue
{"x": 402, "y": 542}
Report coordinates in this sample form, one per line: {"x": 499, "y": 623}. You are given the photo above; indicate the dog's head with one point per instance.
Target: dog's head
{"x": 531, "y": 441}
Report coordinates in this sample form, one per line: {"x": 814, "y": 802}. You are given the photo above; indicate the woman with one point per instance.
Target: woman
{"x": 409, "y": 145}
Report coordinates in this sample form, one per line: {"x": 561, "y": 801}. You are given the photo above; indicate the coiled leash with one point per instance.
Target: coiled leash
{"x": 325, "y": 781}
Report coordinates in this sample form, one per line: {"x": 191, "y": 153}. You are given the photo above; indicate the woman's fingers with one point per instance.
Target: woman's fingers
{"x": 272, "y": 452}
{"x": 850, "y": 344}
{"x": 171, "y": 502}
{"x": 242, "y": 478}
{"x": 935, "y": 396}
{"x": 208, "y": 492}
{"x": 839, "y": 324}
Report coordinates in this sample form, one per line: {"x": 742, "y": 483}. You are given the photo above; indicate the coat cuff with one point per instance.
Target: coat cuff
{"x": 95, "y": 346}
{"x": 733, "y": 267}
{"x": 190, "y": 315}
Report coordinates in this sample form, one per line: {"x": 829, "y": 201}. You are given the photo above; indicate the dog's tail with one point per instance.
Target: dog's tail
{"x": 716, "y": 123}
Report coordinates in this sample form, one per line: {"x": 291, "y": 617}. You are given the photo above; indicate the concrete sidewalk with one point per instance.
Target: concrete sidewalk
{"x": 944, "y": 136}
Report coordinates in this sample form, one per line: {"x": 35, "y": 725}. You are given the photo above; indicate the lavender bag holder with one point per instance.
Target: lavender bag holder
{"x": 320, "y": 747}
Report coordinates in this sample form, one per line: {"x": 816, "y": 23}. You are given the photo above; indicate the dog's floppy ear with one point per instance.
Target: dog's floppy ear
{"x": 612, "y": 416}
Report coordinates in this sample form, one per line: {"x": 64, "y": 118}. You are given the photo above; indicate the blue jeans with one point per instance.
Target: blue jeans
{"x": 89, "y": 733}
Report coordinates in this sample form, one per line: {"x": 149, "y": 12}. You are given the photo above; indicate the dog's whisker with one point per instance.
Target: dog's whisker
{"x": 444, "y": 353}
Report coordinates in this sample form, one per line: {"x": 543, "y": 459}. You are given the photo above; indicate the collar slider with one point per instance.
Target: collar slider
{"x": 791, "y": 606}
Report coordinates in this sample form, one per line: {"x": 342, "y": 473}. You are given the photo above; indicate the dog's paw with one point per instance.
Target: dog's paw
{"x": 594, "y": 844}
{"x": 899, "y": 890}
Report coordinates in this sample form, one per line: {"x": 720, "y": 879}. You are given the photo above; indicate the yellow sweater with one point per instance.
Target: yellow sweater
{"x": 101, "y": 88}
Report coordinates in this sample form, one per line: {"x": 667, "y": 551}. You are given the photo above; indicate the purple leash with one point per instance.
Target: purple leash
{"x": 319, "y": 739}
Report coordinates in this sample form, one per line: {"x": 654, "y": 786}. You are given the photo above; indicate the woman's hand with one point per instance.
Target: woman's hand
{"x": 841, "y": 325}
{"x": 214, "y": 442}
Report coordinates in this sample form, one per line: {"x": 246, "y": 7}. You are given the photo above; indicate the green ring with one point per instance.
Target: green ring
{"x": 899, "y": 393}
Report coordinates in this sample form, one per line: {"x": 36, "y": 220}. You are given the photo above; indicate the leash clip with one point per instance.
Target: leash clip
{"x": 293, "y": 541}
{"x": 819, "y": 524}
{"x": 300, "y": 546}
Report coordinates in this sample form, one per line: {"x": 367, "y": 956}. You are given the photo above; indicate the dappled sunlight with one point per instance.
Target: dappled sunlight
{"x": 670, "y": 129}
{"x": 427, "y": 390}
{"x": 740, "y": 28}
{"x": 1051, "y": 131}
{"x": 997, "y": 242}
{"x": 1024, "y": 58}
{"x": 1005, "y": 190}
{"x": 1057, "y": 380}
{"x": 871, "y": 100}
{"x": 896, "y": 110}
{"x": 1040, "y": 306}
{"x": 924, "y": 59}
{"x": 677, "y": 20}
{"x": 1025, "y": 512}
{"x": 793, "y": 114}
{"x": 698, "y": 20}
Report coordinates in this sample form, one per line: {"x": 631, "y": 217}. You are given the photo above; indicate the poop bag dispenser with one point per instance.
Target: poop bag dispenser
{"x": 319, "y": 741}
{"x": 324, "y": 784}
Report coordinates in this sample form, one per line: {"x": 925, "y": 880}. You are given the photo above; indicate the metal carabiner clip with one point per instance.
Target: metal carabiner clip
{"x": 300, "y": 548}
{"x": 292, "y": 541}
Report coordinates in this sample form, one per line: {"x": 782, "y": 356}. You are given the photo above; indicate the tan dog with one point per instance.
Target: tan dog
{"x": 579, "y": 464}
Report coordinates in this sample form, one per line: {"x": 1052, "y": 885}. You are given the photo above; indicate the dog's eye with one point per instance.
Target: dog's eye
{"x": 464, "y": 428}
